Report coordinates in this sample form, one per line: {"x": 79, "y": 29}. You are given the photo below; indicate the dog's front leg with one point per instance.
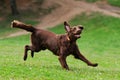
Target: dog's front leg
{"x": 78, "y": 55}
{"x": 62, "y": 58}
{"x": 63, "y": 62}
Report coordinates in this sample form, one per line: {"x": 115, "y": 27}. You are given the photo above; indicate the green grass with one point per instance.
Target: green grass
{"x": 91, "y": 0}
{"x": 111, "y": 2}
{"x": 114, "y": 2}
{"x": 99, "y": 43}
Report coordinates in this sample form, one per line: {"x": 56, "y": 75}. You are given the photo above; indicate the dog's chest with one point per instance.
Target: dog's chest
{"x": 67, "y": 45}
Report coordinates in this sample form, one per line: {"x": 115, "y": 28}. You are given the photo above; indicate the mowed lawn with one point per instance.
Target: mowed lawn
{"x": 100, "y": 42}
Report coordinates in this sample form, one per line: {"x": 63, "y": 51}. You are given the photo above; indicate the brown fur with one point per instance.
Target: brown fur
{"x": 60, "y": 45}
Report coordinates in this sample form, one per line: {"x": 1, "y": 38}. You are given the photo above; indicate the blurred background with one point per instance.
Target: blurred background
{"x": 49, "y": 13}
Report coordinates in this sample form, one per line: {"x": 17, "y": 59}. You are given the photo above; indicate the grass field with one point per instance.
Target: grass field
{"x": 111, "y": 2}
{"x": 99, "y": 43}
{"x": 114, "y": 2}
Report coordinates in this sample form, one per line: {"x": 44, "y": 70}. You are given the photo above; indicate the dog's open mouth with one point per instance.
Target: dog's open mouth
{"x": 78, "y": 34}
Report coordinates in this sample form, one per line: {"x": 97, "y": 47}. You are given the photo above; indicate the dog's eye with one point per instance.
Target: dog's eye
{"x": 74, "y": 29}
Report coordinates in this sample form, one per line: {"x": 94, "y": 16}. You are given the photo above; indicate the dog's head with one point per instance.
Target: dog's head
{"x": 73, "y": 33}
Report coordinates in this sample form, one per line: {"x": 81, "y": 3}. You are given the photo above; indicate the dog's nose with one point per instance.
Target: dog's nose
{"x": 81, "y": 27}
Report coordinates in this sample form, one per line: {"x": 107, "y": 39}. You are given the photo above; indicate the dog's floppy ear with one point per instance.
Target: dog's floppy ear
{"x": 66, "y": 26}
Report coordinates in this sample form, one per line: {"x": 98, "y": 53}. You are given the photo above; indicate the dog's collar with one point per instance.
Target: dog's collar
{"x": 68, "y": 38}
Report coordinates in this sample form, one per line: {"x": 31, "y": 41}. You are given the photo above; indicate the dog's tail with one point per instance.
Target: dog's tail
{"x": 18, "y": 24}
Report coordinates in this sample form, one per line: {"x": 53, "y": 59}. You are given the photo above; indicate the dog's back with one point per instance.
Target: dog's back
{"x": 45, "y": 40}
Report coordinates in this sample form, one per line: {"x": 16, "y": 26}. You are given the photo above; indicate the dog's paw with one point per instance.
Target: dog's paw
{"x": 25, "y": 57}
{"x": 93, "y": 65}
{"x": 32, "y": 55}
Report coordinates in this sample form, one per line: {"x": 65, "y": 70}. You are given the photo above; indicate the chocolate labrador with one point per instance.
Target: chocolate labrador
{"x": 61, "y": 45}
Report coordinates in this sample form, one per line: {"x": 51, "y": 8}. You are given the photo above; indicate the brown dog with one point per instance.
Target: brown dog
{"x": 60, "y": 45}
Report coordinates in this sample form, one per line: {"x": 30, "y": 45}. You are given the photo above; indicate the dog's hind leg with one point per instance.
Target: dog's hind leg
{"x": 25, "y": 53}
{"x": 27, "y": 47}
{"x": 32, "y": 53}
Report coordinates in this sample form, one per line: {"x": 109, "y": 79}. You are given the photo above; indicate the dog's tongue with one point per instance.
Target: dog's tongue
{"x": 78, "y": 36}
